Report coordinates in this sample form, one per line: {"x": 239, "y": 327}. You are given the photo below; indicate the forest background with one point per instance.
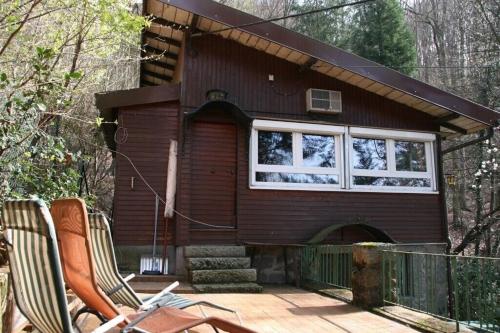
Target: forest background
{"x": 55, "y": 54}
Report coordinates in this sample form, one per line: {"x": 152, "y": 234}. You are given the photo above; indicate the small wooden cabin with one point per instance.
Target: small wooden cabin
{"x": 279, "y": 136}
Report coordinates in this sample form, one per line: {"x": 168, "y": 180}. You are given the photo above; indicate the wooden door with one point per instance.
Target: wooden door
{"x": 213, "y": 179}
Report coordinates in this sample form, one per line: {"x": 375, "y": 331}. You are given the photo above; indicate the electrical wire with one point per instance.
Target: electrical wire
{"x": 121, "y": 139}
{"x": 314, "y": 11}
{"x": 416, "y": 67}
{"x": 141, "y": 177}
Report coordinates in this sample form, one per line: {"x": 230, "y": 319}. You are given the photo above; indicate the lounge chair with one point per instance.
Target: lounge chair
{"x": 35, "y": 267}
{"x": 73, "y": 232}
{"x": 115, "y": 286}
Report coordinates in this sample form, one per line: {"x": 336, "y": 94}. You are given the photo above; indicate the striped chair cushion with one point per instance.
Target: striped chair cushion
{"x": 35, "y": 266}
{"x": 108, "y": 276}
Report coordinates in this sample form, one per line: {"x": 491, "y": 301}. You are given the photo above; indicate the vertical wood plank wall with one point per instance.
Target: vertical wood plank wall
{"x": 214, "y": 62}
{"x": 213, "y": 180}
{"x": 144, "y": 135}
{"x": 294, "y": 216}
{"x": 260, "y": 215}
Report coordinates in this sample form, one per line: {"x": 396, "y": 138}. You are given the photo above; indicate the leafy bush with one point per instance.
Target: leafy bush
{"x": 33, "y": 162}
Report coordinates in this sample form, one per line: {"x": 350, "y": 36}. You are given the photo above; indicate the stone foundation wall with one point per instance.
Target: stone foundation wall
{"x": 423, "y": 279}
{"x": 270, "y": 263}
{"x": 129, "y": 257}
{"x": 436, "y": 293}
{"x": 270, "y": 260}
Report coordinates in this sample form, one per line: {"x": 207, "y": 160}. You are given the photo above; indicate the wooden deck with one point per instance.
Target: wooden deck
{"x": 287, "y": 309}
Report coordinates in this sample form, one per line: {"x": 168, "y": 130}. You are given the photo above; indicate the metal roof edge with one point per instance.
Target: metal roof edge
{"x": 337, "y": 57}
{"x": 137, "y": 96}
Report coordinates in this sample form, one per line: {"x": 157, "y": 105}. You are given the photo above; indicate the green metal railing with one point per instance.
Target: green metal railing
{"x": 464, "y": 289}
{"x": 327, "y": 266}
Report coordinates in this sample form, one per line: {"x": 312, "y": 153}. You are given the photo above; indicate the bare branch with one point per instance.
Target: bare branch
{"x": 21, "y": 24}
{"x": 490, "y": 24}
{"x": 478, "y": 230}
{"x": 15, "y": 9}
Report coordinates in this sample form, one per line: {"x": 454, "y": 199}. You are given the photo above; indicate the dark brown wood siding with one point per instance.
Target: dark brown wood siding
{"x": 144, "y": 135}
{"x": 213, "y": 173}
{"x": 243, "y": 72}
{"x": 294, "y": 216}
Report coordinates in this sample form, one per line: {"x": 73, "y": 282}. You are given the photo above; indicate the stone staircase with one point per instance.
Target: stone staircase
{"x": 220, "y": 269}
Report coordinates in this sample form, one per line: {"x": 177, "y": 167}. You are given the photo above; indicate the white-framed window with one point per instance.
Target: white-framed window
{"x": 317, "y": 157}
{"x": 388, "y": 160}
{"x": 287, "y": 155}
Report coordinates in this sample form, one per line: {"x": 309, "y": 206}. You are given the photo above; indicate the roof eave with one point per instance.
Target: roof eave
{"x": 340, "y": 58}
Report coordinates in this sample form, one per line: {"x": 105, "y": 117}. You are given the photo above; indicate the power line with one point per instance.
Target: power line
{"x": 314, "y": 11}
{"x": 141, "y": 177}
{"x": 417, "y": 67}
{"x": 202, "y": 33}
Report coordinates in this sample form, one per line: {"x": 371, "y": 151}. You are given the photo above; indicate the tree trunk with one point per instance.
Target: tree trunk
{"x": 478, "y": 198}
{"x": 456, "y": 202}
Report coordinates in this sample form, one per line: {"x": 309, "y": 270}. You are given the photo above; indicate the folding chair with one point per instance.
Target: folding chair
{"x": 35, "y": 268}
{"x": 116, "y": 287}
{"x": 73, "y": 232}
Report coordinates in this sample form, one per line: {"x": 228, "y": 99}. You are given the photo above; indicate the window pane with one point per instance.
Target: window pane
{"x": 320, "y": 94}
{"x": 320, "y": 104}
{"x": 282, "y": 177}
{"x": 410, "y": 156}
{"x": 392, "y": 181}
{"x": 275, "y": 148}
{"x": 318, "y": 151}
{"x": 369, "y": 154}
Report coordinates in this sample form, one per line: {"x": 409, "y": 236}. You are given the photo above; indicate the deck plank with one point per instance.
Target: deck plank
{"x": 287, "y": 309}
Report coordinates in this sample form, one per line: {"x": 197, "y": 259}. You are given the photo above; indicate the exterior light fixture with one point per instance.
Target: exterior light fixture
{"x": 216, "y": 95}
{"x": 451, "y": 179}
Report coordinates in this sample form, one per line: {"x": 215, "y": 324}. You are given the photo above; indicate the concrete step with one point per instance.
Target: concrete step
{"x": 223, "y": 276}
{"x": 217, "y": 263}
{"x": 213, "y": 251}
{"x": 228, "y": 288}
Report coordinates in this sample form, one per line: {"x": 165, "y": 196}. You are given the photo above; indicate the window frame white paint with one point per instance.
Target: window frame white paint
{"x": 297, "y": 130}
{"x": 390, "y": 137}
{"x": 343, "y": 158}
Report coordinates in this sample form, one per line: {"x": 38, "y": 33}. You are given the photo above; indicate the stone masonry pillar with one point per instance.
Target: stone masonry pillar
{"x": 367, "y": 273}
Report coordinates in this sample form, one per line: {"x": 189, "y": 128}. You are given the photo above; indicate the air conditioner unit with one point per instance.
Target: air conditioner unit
{"x": 324, "y": 101}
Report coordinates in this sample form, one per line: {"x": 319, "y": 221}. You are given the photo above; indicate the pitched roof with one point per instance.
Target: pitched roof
{"x": 172, "y": 19}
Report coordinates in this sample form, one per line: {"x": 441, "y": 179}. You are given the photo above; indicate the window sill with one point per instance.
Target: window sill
{"x": 337, "y": 189}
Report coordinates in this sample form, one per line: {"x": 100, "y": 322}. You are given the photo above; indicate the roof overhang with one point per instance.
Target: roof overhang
{"x": 108, "y": 103}
{"x": 137, "y": 96}
{"x": 175, "y": 20}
